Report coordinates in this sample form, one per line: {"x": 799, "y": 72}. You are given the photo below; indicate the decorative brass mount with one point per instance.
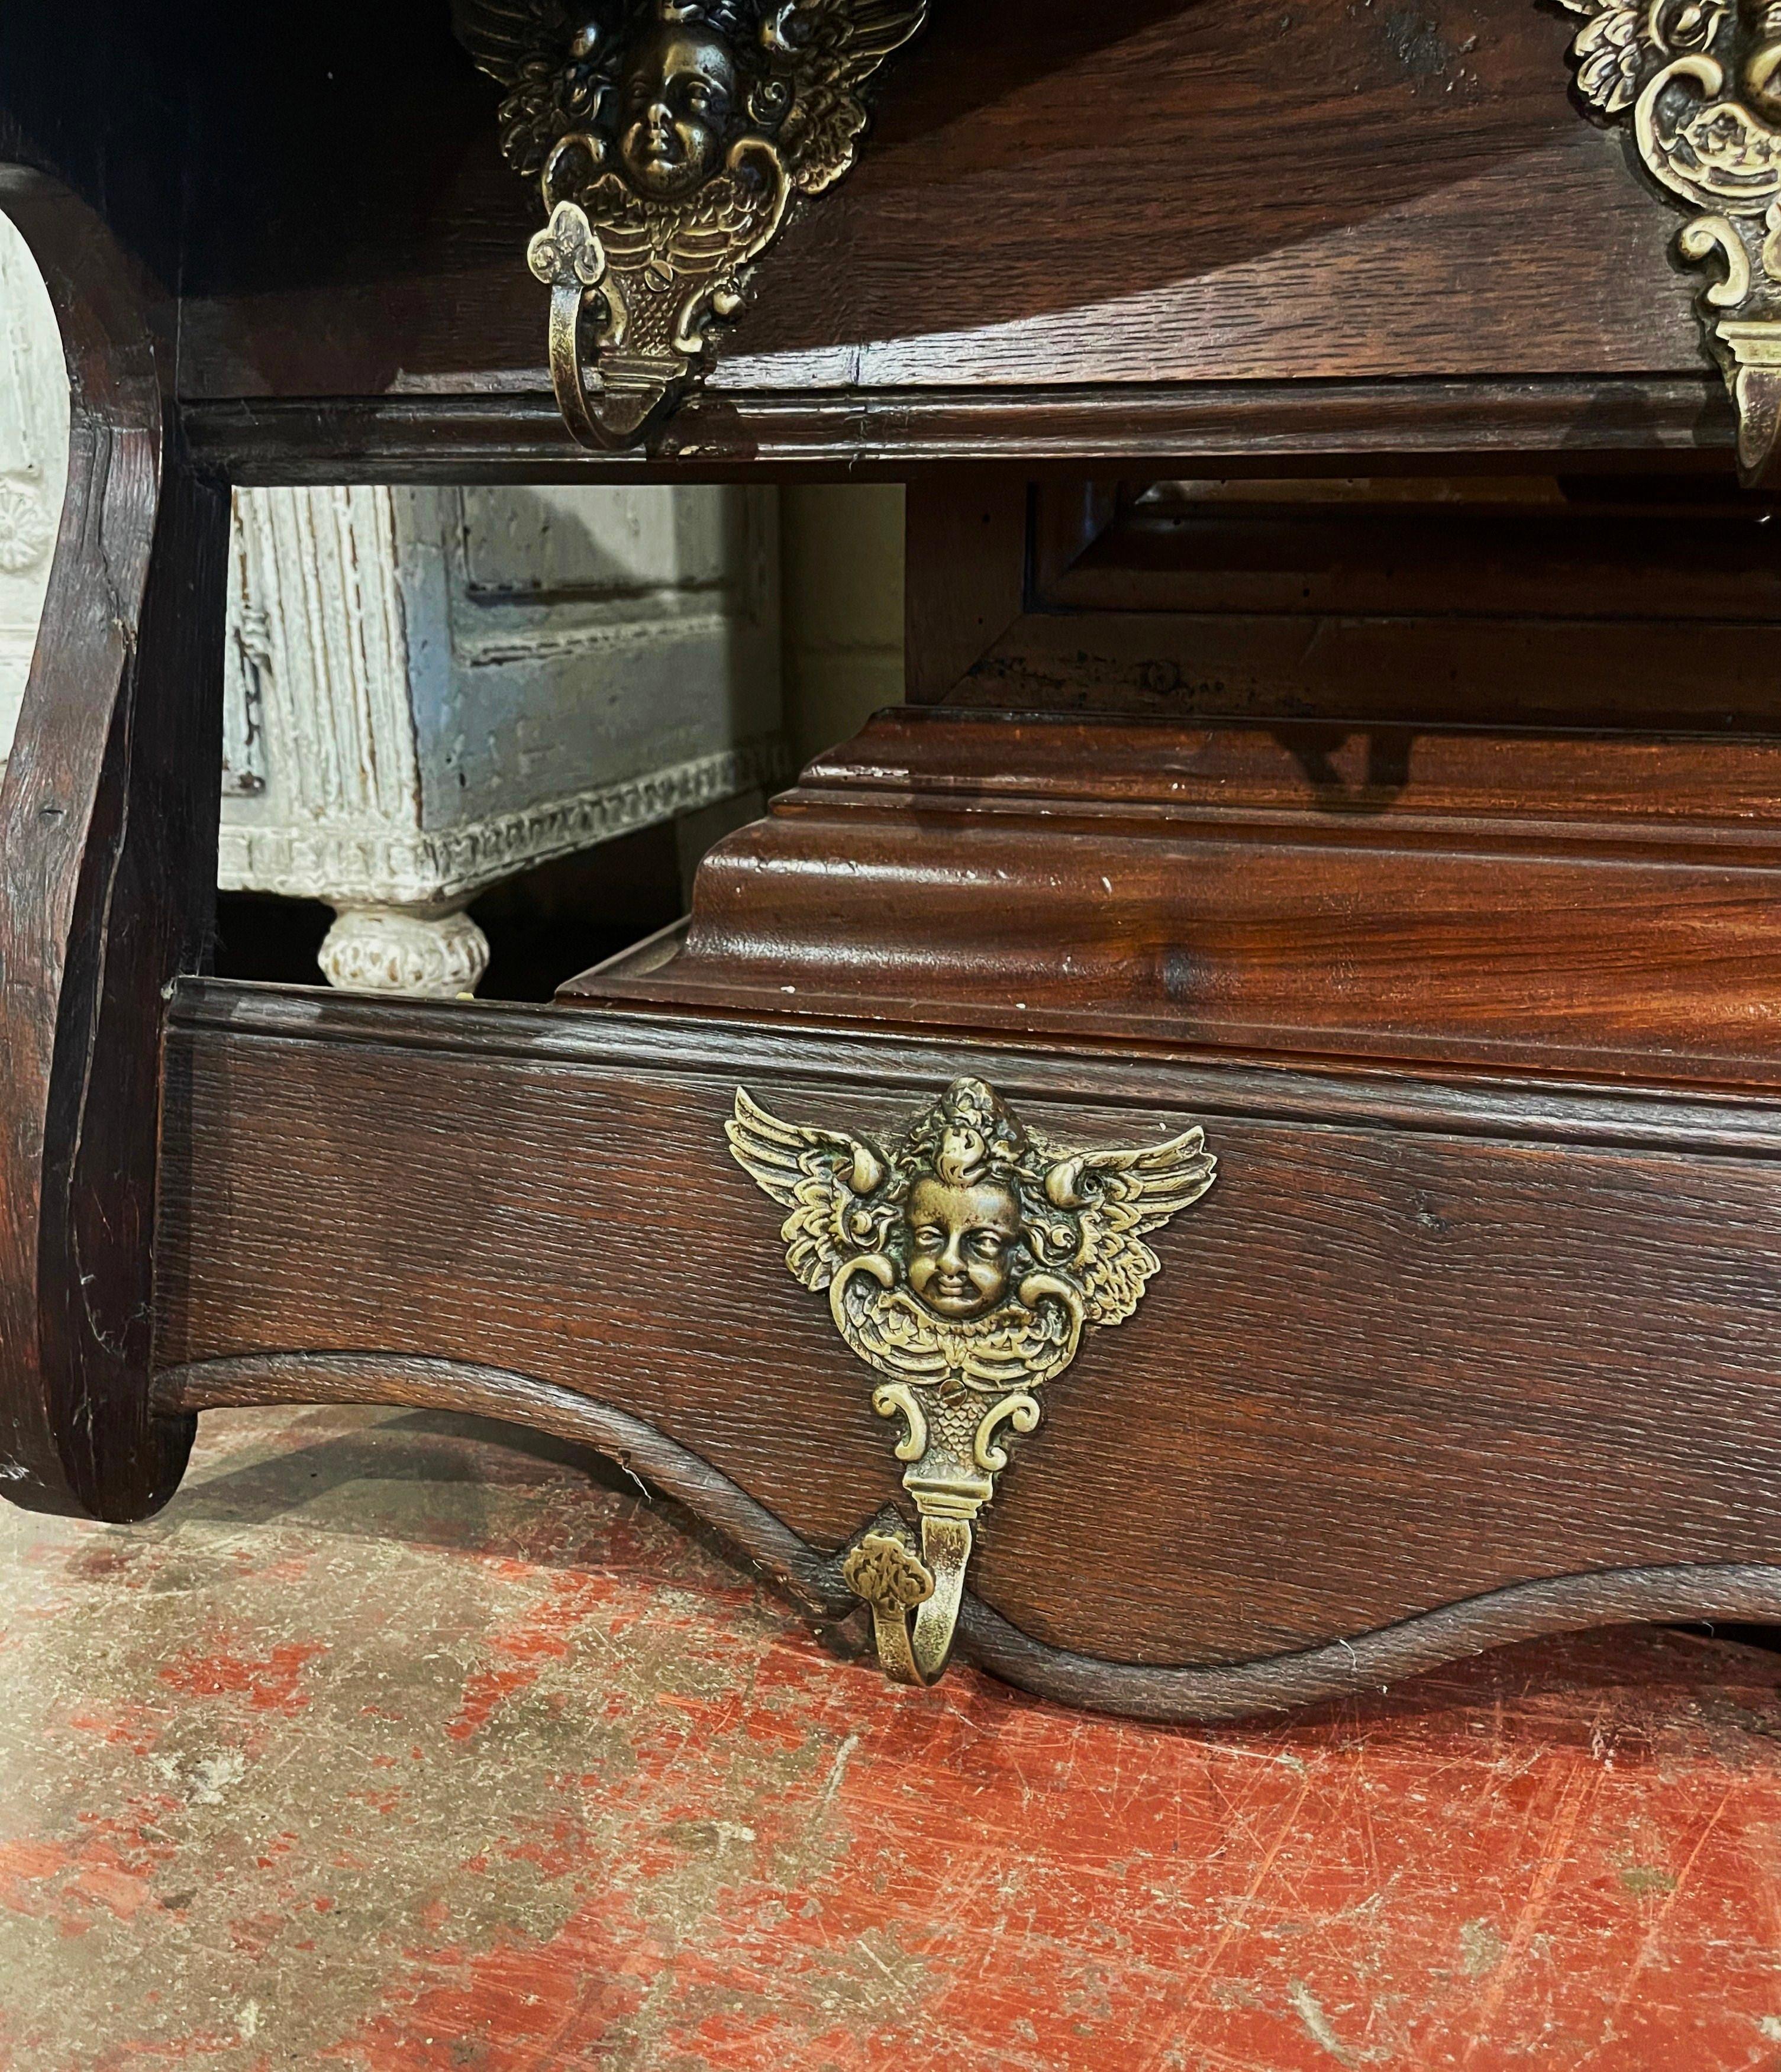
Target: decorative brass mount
{"x": 1701, "y": 82}
{"x": 672, "y": 139}
{"x": 964, "y": 1259}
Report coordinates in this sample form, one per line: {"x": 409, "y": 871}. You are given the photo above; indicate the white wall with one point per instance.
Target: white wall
{"x": 34, "y": 461}
{"x": 842, "y": 565}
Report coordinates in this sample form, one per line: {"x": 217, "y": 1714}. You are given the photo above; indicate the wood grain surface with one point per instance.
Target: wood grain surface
{"x": 1560, "y": 901}
{"x": 1563, "y": 599}
{"x": 1683, "y": 422}
{"x": 1426, "y": 1340}
{"x": 108, "y": 870}
{"x": 1151, "y": 229}
{"x": 965, "y": 574}
{"x": 1233, "y": 1690}
{"x": 1146, "y": 191}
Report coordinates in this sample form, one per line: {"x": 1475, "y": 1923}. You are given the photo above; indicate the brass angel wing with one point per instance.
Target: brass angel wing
{"x": 716, "y": 229}
{"x": 836, "y": 46}
{"x": 529, "y": 46}
{"x": 503, "y": 35}
{"x": 822, "y": 1176}
{"x": 1120, "y": 1195}
{"x": 1613, "y": 53}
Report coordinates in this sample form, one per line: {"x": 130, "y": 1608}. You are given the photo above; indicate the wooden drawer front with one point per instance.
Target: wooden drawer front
{"x": 1421, "y": 1344}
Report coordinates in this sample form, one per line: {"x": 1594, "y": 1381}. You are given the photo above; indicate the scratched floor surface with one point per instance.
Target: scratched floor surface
{"x": 398, "y": 1744}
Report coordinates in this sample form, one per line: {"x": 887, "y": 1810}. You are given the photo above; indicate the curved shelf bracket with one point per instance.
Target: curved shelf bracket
{"x": 824, "y": 1586}
{"x": 108, "y": 874}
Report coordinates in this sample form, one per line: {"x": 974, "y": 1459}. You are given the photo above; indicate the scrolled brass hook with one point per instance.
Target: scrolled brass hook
{"x": 570, "y": 259}
{"x": 682, "y": 209}
{"x": 964, "y": 1259}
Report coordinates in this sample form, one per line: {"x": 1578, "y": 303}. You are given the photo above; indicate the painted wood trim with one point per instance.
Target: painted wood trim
{"x": 354, "y": 658}
{"x": 395, "y": 865}
{"x": 34, "y": 459}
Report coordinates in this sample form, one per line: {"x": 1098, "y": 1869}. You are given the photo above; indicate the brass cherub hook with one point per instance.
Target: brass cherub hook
{"x": 677, "y": 135}
{"x": 964, "y": 1259}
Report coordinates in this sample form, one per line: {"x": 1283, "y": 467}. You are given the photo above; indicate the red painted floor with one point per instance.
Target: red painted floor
{"x": 397, "y": 1745}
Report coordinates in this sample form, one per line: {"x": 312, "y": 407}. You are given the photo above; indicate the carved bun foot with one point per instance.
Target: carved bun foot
{"x": 393, "y": 949}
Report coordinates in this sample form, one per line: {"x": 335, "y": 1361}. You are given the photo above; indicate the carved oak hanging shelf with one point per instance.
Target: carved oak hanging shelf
{"x": 1701, "y": 81}
{"x": 672, "y": 139}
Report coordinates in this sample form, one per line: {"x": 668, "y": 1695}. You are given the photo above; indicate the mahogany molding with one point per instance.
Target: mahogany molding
{"x": 1582, "y": 601}
{"x": 1560, "y": 902}
{"x": 108, "y": 870}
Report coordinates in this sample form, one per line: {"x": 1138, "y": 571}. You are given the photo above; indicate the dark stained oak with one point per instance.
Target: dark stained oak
{"x": 108, "y": 867}
{"x": 1406, "y": 1355}
{"x": 1147, "y": 190}
{"x": 97, "y": 97}
{"x": 1153, "y": 228}
{"x": 1231, "y": 1690}
{"x": 1153, "y": 232}
{"x": 1683, "y": 422}
{"x": 455, "y": 1385}
{"x": 964, "y": 575}
{"x": 1423, "y": 847}
{"x": 1568, "y": 600}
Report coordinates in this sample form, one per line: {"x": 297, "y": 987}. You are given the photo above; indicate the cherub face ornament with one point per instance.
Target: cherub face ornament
{"x": 679, "y": 94}
{"x": 959, "y": 1239}
{"x": 964, "y": 1259}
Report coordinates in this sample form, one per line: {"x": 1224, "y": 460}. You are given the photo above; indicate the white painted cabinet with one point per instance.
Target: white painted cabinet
{"x": 428, "y": 690}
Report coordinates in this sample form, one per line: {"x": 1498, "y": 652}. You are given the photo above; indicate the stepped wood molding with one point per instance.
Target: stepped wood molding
{"x": 1289, "y": 887}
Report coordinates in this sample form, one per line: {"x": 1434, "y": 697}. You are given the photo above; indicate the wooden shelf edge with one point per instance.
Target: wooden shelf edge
{"x": 1544, "y": 422}
{"x": 1733, "y": 1122}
